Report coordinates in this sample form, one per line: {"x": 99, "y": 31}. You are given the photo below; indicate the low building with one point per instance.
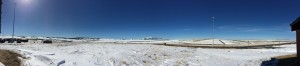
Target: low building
{"x": 296, "y": 27}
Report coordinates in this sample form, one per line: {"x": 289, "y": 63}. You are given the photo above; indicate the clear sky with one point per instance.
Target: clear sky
{"x": 173, "y": 19}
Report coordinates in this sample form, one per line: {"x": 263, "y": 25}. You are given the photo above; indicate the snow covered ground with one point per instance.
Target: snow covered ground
{"x": 90, "y": 54}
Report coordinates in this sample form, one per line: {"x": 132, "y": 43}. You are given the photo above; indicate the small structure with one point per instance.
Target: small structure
{"x": 47, "y": 41}
{"x": 296, "y": 27}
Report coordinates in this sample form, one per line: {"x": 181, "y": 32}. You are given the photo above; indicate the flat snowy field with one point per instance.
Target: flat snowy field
{"x": 141, "y": 55}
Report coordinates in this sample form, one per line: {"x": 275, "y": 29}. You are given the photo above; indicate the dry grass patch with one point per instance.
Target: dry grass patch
{"x": 9, "y": 58}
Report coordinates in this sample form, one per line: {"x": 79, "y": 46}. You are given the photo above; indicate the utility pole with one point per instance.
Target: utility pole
{"x": 213, "y": 33}
{"x": 14, "y": 19}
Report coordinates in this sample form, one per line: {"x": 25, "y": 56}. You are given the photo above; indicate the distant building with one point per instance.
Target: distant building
{"x": 296, "y": 27}
{"x": 48, "y": 41}
{"x": 27, "y": 40}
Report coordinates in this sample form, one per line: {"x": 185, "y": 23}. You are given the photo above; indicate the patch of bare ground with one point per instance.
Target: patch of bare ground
{"x": 9, "y": 58}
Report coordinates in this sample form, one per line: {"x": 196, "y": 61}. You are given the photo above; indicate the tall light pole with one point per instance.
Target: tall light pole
{"x": 213, "y": 33}
{"x": 14, "y": 19}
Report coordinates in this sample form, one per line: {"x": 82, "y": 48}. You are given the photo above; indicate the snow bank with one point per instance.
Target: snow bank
{"x": 1, "y": 64}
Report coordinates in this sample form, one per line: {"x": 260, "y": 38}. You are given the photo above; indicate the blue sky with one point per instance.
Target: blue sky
{"x": 173, "y": 19}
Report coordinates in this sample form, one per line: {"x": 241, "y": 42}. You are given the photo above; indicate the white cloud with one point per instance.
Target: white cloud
{"x": 252, "y": 30}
